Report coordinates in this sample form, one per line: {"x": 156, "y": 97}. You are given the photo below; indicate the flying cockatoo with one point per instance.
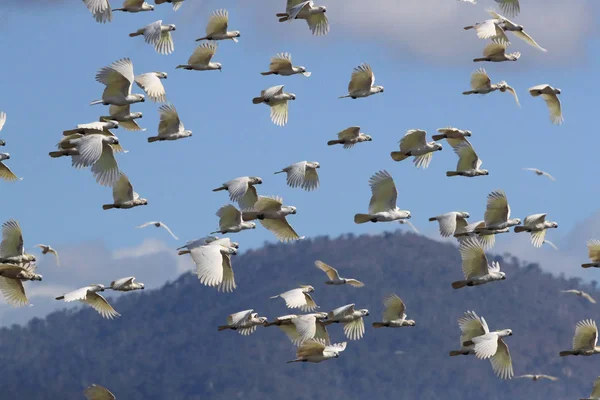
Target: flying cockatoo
{"x": 89, "y": 295}
{"x": 118, "y": 78}
{"x": 242, "y": 190}
{"x": 150, "y": 83}
{"x": 585, "y": 340}
{"x": 414, "y": 144}
{"x": 361, "y": 83}
{"x": 353, "y": 320}
{"x": 299, "y": 298}
{"x": 213, "y": 264}
{"x": 349, "y": 137}
{"x": 190, "y": 245}
{"x": 100, "y": 9}
{"x": 126, "y": 284}
{"x": 451, "y": 133}
{"x": 382, "y": 207}
{"x": 449, "y": 222}
{"x": 159, "y": 224}
{"x": 537, "y": 226}
{"x": 93, "y": 127}
{"x": 471, "y": 326}
{"x": 230, "y": 220}
{"x": 11, "y": 248}
{"x": 124, "y": 197}
{"x": 5, "y": 172}
{"x": 469, "y": 163}
{"x": 580, "y": 293}
{"x": 216, "y": 29}
{"x": 135, "y": 6}
{"x": 277, "y": 100}
{"x": 550, "y": 96}
{"x": 497, "y": 215}
{"x": 334, "y": 276}
{"x": 272, "y": 214}
{"x": 394, "y": 315}
{"x": 67, "y": 146}
{"x": 593, "y": 247}
{"x": 537, "y": 377}
{"x": 506, "y": 24}
{"x": 170, "y": 126}
{"x": 282, "y": 65}
{"x": 124, "y": 116}
{"x": 539, "y": 172}
{"x": 11, "y": 282}
{"x": 158, "y": 35}
{"x": 302, "y": 328}
{"x": 200, "y": 60}
{"x": 595, "y": 395}
{"x": 315, "y": 352}
{"x": 47, "y": 249}
{"x": 176, "y": 3}
{"x": 97, "y": 392}
{"x": 302, "y": 174}
{"x": 244, "y": 322}
{"x": 496, "y": 52}
{"x": 314, "y": 15}
{"x": 475, "y": 266}
{"x": 481, "y": 84}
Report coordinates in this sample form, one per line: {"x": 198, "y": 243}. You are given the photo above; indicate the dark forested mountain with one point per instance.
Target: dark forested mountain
{"x": 166, "y": 344}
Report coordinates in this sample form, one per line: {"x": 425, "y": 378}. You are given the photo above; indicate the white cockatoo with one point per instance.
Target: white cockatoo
{"x": 353, "y": 320}
{"x": 481, "y": 84}
{"x": 537, "y": 226}
{"x": 496, "y": 52}
{"x": 216, "y": 29}
{"x": 451, "y": 133}
{"x": 118, "y": 78}
{"x": 93, "y": 127}
{"x": 349, "y": 137}
{"x": 475, "y": 265}
{"x": 124, "y": 197}
{"x": 299, "y": 298}
{"x": 11, "y": 248}
{"x": 176, "y": 3}
{"x": 537, "y": 377}
{"x": 159, "y": 224}
{"x": 305, "y": 9}
{"x": 200, "y": 60}
{"x": 394, "y": 315}
{"x": 96, "y": 151}
{"x": 126, "y": 284}
{"x": 518, "y": 30}
{"x": 170, "y": 126}
{"x": 244, "y": 322}
{"x": 469, "y": 163}
{"x": 242, "y": 190}
{"x": 580, "y": 293}
{"x": 277, "y": 100}
{"x": 595, "y": 395}
{"x": 231, "y": 221}
{"x": 97, "y": 392}
{"x": 89, "y": 295}
{"x": 282, "y": 65}
{"x": 497, "y": 215}
{"x": 451, "y": 221}
{"x": 550, "y": 96}
{"x": 334, "y": 276}
{"x": 584, "y": 340}
{"x": 190, "y": 245}
{"x": 67, "y": 146}
{"x": 213, "y": 264}
{"x": 315, "y": 352}
{"x": 414, "y": 144}
{"x": 124, "y": 116}
{"x": 539, "y": 172}
{"x": 150, "y": 83}
{"x": 158, "y": 35}
{"x": 100, "y": 9}
{"x": 486, "y": 345}
{"x": 47, "y": 249}
{"x": 134, "y": 6}
{"x": 302, "y": 328}
{"x": 593, "y": 246}
{"x": 5, "y": 172}
{"x": 2, "y": 122}
{"x": 272, "y": 214}
{"x": 11, "y": 282}
{"x": 382, "y": 207}
{"x": 302, "y": 174}
{"x": 362, "y": 83}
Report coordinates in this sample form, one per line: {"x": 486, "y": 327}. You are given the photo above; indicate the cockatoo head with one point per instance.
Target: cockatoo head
{"x": 229, "y": 250}
{"x": 378, "y": 89}
{"x": 557, "y": 91}
{"x": 139, "y": 98}
{"x": 307, "y": 288}
{"x": 111, "y": 124}
{"x": 111, "y": 140}
{"x": 289, "y": 209}
{"x": 235, "y": 245}
{"x": 219, "y": 66}
{"x": 292, "y": 96}
{"x": 98, "y": 287}
{"x": 141, "y": 286}
{"x": 322, "y": 9}
{"x": 150, "y": 7}
{"x": 505, "y": 332}
{"x": 463, "y": 214}
{"x": 437, "y": 146}
{"x": 405, "y": 214}
{"x": 263, "y": 320}
{"x": 143, "y": 202}
{"x": 467, "y": 133}
{"x": 186, "y": 134}
{"x": 485, "y": 172}
{"x": 410, "y": 322}
{"x": 255, "y": 180}
{"x": 236, "y": 34}
{"x": 320, "y": 315}
{"x": 502, "y": 274}
{"x": 2, "y": 143}
{"x": 161, "y": 75}
{"x": 171, "y": 27}
{"x": 4, "y": 156}
{"x": 314, "y": 164}
{"x": 36, "y": 277}
{"x": 554, "y": 225}
{"x": 364, "y": 312}
{"x": 367, "y": 138}
{"x": 136, "y": 115}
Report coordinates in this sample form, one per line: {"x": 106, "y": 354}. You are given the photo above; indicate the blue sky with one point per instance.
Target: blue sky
{"x": 419, "y": 53}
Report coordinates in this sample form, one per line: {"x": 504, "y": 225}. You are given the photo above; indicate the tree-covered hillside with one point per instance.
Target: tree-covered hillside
{"x": 166, "y": 344}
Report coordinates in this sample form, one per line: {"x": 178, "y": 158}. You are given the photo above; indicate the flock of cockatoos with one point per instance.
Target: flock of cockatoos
{"x": 94, "y": 145}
